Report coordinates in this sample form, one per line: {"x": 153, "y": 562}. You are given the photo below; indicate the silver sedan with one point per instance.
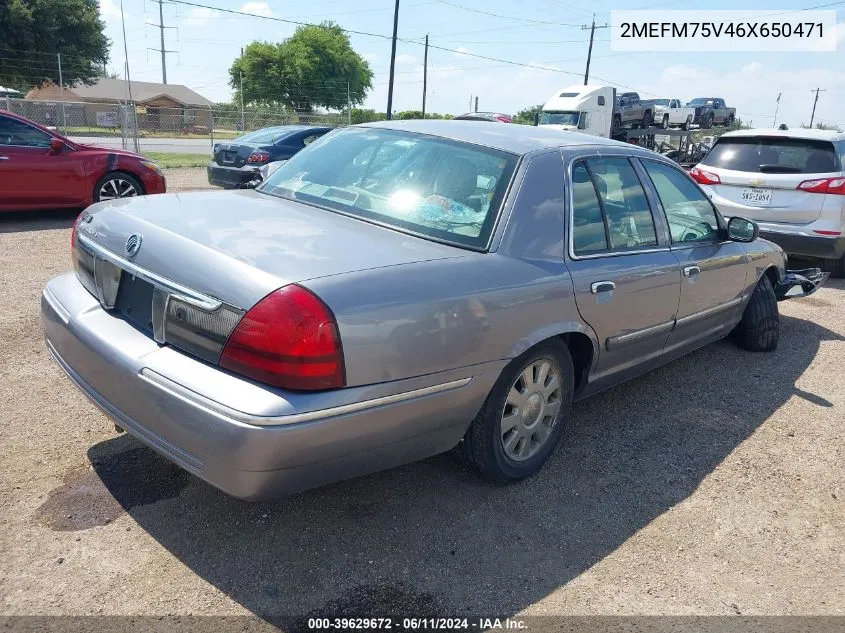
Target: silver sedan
{"x": 397, "y": 290}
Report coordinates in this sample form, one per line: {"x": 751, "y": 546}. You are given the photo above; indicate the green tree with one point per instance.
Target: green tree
{"x": 313, "y": 68}
{"x": 526, "y": 115}
{"x": 33, "y": 32}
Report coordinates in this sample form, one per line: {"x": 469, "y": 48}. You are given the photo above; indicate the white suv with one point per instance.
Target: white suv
{"x": 791, "y": 182}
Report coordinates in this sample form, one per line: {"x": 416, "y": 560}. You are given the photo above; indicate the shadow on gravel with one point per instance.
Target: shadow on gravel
{"x": 22, "y": 221}
{"x": 432, "y": 537}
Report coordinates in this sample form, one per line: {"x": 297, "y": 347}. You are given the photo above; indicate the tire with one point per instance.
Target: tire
{"x": 647, "y": 120}
{"x": 665, "y": 124}
{"x": 759, "y": 328}
{"x": 730, "y": 122}
{"x": 617, "y": 124}
{"x": 836, "y": 267}
{"x": 688, "y": 123}
{"x": 708, "y": 122}
{"x": 117, "y": 184}
{"x": 484, "y": 444}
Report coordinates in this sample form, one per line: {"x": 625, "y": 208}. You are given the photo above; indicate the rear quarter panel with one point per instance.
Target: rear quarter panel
{"x": 430, "y": 317}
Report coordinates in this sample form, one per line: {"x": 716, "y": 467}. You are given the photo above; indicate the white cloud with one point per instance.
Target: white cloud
{"x": 753, "y": 68}
{"x": 256, "y": 8}
{"x": 198, "y": 16}
{"x": 370, "y": 57}
{"x": 109, "y": 9}
{"x": 462, "y": 51}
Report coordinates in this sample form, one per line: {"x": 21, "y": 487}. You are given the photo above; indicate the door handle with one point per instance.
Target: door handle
{"x": 690, "y": 271}
{"x": 601, "y": 286}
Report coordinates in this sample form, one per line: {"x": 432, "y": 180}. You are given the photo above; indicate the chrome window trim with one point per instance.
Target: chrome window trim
{"x": 570, "y": 201}
{"x": 181, "y": 292}
{"x": 187, "y": 395}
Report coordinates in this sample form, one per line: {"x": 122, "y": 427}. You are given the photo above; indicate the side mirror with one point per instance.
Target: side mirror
{"x": 742, "y": 230}
{"x": 536, "y": 119}
{"x": 57, "y": 144}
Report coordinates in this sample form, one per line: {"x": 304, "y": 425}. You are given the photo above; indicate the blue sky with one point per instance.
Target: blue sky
{"x": 208, "y": 41}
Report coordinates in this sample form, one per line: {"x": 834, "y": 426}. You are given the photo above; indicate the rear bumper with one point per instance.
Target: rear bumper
{"x": 805, "y": 244}
{"x": 231, "y": 177}
{"x": 218, "y": 436}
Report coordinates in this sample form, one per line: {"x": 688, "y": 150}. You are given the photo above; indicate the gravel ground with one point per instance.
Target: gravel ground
{"x": 711, "y": 486}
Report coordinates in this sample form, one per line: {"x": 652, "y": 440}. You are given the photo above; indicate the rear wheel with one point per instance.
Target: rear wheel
{"x": 524, "y": 416}
{"x": 647, "y": 120}
{"x": 759, "y": 328}
{"x": 688, "y": 122}
{"x": 708, "y": 122}
{"x": 836, "y": 267}
{"x": 117, "y": 184}
{"x": 617, "y": 124}
{"x": 665, "y": 121}
{"x": 730, "y": 121}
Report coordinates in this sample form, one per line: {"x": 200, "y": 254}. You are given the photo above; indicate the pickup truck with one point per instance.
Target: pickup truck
{"x": 631, "y": 109}
{"x": 670, "y": 112}
{"x": 712, "y": 110}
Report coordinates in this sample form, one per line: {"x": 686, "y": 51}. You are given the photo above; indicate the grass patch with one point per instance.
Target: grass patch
{"x": 166, "y": 160}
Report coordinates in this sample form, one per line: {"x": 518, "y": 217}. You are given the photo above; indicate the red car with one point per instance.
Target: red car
{"x": 41, "y": 169}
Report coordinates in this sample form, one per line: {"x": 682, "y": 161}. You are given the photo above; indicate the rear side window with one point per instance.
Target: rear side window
{"x": 774, "y": 155}
{"x": 610, "y": 210}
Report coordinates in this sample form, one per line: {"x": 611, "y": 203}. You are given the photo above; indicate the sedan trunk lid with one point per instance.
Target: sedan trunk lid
{"x": 238, "y": 246}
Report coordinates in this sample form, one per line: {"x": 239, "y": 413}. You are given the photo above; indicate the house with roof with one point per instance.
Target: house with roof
{"x": 160, "y": 107}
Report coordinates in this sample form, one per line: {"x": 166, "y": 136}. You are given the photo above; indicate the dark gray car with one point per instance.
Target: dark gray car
{"x": 398, "y": 289}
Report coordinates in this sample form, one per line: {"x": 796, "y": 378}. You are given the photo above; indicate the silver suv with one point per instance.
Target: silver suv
{"x": 791, "y": 182}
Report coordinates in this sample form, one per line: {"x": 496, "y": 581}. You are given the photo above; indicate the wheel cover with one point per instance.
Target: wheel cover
{"x": 117, "y": 188}
{"x": 531, "y": 410}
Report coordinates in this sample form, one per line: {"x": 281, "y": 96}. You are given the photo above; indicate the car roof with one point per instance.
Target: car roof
{"x": 802, "y": 133}
{"x": 516, "y": 139}
{"x": 290, "y": 128}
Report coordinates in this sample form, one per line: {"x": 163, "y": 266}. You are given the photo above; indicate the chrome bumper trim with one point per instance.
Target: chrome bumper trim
{"x": 232, "y": 415}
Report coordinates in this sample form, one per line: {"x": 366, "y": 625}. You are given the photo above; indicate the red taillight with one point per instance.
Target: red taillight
{"x": 835, "y": 186}
{"x": 704, "y": 177}
{"x": 833, "y": 233}
{"x": 258, "y": 156}
{"x": 288, "y": 339}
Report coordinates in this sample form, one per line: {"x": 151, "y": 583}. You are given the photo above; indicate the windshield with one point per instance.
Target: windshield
{"x": 773, "y": 155}
{"x": 700, "y": 102}
{"x": 422, "y": 184}
{"x": 267, "y": 135}
{"x": 559, "y": 118}
{"x": 663, "y": 102}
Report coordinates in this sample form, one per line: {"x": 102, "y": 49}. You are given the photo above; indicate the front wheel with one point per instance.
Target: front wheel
{"x": 708, "y": 122}
{"x": 647, "y": 120}
{"x": 524, "y": 416}
{"x": 759, "y": 328}
{"x": 688, "y": 123}
{"x": 665, "y": 121}
{"x": 117, "y": 184}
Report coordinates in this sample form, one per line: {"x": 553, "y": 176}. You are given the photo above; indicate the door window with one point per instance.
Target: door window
{"x": 18, "y": 133}
{"x": 626, "y": 209}
{"x": 310, "y": 139}
{"x": 690, "y": 215}
{"x": 588, "y": 235}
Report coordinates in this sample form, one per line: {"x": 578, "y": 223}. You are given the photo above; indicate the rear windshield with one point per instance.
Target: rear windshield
{"x": 269, "y": 135}
{"x": 423, "y": 184}
{"x": 773, "y": 155}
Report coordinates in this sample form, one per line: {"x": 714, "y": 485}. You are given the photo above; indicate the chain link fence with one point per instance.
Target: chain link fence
{"x": 147, "y": 127}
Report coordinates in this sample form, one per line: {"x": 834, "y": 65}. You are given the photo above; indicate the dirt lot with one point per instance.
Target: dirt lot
{"x": 711, "y": 486}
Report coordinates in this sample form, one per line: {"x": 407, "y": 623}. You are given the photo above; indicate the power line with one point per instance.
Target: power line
{"x": 505, "y": 17}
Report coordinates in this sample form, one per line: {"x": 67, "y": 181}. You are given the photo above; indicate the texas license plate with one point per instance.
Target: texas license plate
{"x": 757, "y": 197}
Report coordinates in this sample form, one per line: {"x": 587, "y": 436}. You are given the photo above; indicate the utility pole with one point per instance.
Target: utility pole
{"x": 470, "y": 103}
{"x": 130, "y": 107}
{"x": 425, "y": 72}
{"x": 62, "y": 93}
{"x": 392, "y": 61}
{"x": 815, "y": 101}
{"x": 777, "y": 106}
{"x": 476, "y": 103}
{"x": 162, "y": 50}
{"x": 241, "y": 93}
{"x": 592, "y": 28}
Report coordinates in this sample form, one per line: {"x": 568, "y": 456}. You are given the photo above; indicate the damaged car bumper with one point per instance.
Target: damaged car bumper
{"x": 800, "y": 283}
